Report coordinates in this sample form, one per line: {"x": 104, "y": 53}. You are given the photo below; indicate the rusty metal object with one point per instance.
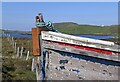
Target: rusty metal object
{"x": 35, "y": 41}
{"x": 37, "y": 19}
{"x": 41, "y": 17}
{"x": 36, "y": 32}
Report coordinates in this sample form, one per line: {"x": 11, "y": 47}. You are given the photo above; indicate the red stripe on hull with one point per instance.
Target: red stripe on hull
{"x": 86, "y": 48}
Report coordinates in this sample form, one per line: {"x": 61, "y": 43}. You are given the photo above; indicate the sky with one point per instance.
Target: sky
{"x": 21, "y": 15}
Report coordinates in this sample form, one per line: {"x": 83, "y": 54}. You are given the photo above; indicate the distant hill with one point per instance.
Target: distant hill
{"x": 14, "y": 31}
{"x": 65, "y": 24}
{"x": 74, "y": 28}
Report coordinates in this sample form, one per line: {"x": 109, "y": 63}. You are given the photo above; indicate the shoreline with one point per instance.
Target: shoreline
{"x": 112, "y": 37}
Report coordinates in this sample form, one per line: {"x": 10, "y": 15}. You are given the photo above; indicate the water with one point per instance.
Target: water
{"x": 95, "y": 36}
{"x": 18, "y": 35}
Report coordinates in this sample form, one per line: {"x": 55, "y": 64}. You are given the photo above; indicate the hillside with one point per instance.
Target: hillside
{"x": 13, "y": 31}
{"x": 73, "y": 28}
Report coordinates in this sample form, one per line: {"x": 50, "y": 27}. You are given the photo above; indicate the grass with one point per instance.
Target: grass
{"x": 15, "y": 68}
{"x": 72, "y": 28}
{"x": 25, "y": 42}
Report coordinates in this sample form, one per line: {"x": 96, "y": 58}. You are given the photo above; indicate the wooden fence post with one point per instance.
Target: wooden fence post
{"x": 15, "y": 47}
{"x": 38, "y": 69}
{"x": 12, "y": 38}
{"x": 27, "y": 55}
{"x": 18, "y": 52}
{"x": 21, "y": 52}
{"x": 13, "y": 43}
{"x": 8, "y": 37}
{"x": 47, "y": 65}
{"x": 33, "y": 67}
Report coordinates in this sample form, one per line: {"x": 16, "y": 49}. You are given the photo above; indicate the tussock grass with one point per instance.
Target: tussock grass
{"x": 15, "y": 68}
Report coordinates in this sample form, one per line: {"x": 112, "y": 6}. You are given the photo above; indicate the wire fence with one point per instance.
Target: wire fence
{"x": 21, "y": 48}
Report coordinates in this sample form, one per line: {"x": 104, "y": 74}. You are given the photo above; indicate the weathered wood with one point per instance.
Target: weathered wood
{"x": 27, "y": 55}
{"x": 38, "y": 69}
{"x": 47, "y": 65}
{"x": 33, "y": 67}
{"x": 36, "y": 32}
{"x": 12, "y": 39}
{"x": 70, "y": 39}
{"x": 35, "y": 41}
{"x": 15, "y": 47}
{"x": 55, "y": 46}
{"x": 21, "y": 52}
{"x": 13, "y": 43}
{"x": 18, "y": 52}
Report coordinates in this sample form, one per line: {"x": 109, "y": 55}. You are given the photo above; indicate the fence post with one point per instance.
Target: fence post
{"x": 38, "y": 69}
{"x": 12, "y": 38}
{"x": 21, "y": 52}
{"x": 8, "y": 37}
{"x": 13, "y": 44}
{"x": 27, "y": 55}
{"x": 47, "y": 65}
{"x": 37, "y": 73}
{"x": 33, "y": 67}
{"x": 18, "y": 52}
{"x": 15, "y": 47}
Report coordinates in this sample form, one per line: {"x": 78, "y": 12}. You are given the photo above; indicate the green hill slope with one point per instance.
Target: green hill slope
{"x": 73, "y": 28}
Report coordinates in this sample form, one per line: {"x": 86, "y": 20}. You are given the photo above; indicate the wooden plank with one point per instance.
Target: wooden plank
{"x": 36, "y": 32}
{"x": 61, "y": 37}
{"x": 70, "y": 39}
{"x": 35, "y": 41}
{"x": 56, "y": 46}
